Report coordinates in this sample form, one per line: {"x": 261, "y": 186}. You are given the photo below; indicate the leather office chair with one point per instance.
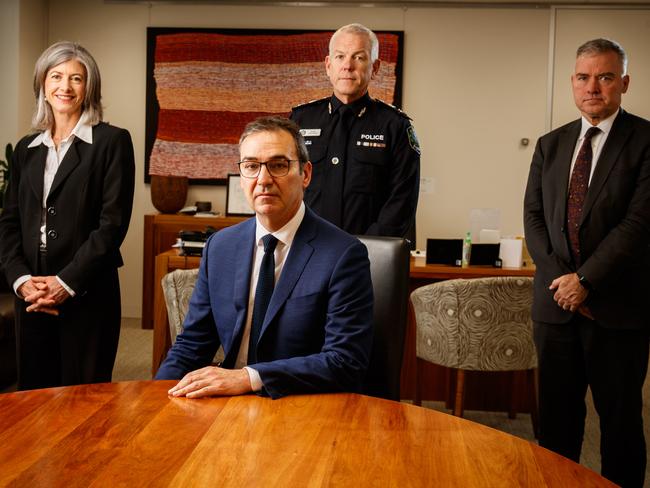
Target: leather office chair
{"x": 389, "y": 269}
{"x": 481, "y": 324}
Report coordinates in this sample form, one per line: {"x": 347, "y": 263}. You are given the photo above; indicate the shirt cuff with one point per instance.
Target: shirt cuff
{"x": 254, "y": 377}
{"x": 19, "y": 282}
{"x": 67, "y": 288}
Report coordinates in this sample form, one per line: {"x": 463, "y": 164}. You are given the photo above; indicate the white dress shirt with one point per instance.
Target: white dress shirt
{"x": 597, "y": 141}
{"x": 285, "y": 237}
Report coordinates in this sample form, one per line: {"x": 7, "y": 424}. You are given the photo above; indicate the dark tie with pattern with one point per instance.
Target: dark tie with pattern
{"x": 263, "y": 292}
{"x": 578, "y": 191}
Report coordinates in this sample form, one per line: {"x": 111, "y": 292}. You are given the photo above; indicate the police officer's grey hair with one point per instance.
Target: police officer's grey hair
{"x": 54, "y": 55}
{"x": 275, "y": 124}
{"x": 600, "y": 46}
{"x": 361, "y": 30}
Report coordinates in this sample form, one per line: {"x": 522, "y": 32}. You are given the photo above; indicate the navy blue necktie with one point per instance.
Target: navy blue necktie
{"x": 263, "y": 292}
{"x": 578, "y": 192}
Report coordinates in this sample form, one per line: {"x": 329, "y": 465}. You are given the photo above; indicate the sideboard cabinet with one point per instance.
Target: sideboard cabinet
{"x": 160, "y": 233}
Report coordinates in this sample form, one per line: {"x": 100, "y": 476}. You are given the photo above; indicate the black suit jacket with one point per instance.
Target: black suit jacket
{"x": 615, "y": 226}
{"x": 88, "y": 208}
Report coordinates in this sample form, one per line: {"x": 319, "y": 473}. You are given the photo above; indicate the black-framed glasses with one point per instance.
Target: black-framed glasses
{"x": 276, "y": 167}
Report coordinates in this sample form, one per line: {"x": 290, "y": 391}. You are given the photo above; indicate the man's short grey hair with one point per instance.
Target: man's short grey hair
{"x": 601, "y": 46}
{"x": 275, "y": 123}
{"x": 62, "y": 52}
{"x": 359, "y": 30}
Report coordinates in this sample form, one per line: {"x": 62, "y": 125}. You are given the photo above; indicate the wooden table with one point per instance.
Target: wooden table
{"x": 485, "y": 391}
{"x": 132, "y": 434}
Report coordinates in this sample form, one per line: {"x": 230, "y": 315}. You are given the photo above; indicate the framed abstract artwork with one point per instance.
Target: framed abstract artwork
{"x": 205, "y": 85}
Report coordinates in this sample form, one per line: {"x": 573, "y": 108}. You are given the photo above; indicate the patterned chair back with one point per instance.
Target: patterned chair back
{"x": 481, "y": 324}
{"x": 177, "y": 288}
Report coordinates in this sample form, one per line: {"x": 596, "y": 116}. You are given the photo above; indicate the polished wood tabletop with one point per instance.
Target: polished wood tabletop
{"x": 132, "y": 434}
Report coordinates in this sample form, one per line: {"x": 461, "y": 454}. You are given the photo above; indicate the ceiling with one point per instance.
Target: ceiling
{"x": 393, "y": 3}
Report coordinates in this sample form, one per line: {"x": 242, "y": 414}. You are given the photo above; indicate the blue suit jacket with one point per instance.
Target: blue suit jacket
{"x": 317, "y": 333}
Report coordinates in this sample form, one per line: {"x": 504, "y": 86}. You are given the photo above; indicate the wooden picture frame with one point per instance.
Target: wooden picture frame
{"x": 236, "y": 203}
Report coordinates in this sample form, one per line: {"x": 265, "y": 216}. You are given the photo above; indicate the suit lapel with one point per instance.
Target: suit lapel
{"x": 70, "y": 161}
{"x": 616, "y": 140}
{"x": 35, "y": 168}
{"x": 566, "y": 148}
{"x": 293, "y": 267}
{"x": 243, "y": 261}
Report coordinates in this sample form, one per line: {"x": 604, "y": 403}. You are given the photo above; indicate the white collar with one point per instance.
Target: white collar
{"x": 83, "y": 130}
{"x": 605, "y": 125}
{"x": 287, "y": 232}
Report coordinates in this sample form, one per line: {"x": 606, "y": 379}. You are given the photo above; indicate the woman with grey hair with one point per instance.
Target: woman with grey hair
{"x": 66, "y": 212}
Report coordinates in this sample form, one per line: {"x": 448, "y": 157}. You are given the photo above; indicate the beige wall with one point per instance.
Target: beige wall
{"x": 23, "y": 36}
{"x": 630, "y": 27}
{"x": 475, "y": 83}
{"x": 9, "y": 15}
{"x": 33, "y": 38}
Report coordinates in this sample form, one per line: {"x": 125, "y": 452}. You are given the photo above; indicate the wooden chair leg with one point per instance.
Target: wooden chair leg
{"x": 533, "y": 385}
{"x": 417, "y": 397}
{"x": 514, "y": 389}
{"x": 460, "y": 393}
{"x": 450, "y": 375}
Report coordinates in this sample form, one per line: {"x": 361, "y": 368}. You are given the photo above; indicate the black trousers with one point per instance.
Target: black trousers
{"x": 78, "y": 346}
{"x": 614, "y": 363}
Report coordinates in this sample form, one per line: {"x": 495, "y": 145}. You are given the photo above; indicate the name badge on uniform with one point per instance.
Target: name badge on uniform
{"x": 371, "y": 140}
{"x": 310, "y": 132}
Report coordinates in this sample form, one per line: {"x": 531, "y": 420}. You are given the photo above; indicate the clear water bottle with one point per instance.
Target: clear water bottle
{"x": 467, "y": 250}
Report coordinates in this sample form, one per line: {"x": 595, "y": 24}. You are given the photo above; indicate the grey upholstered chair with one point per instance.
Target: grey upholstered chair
{"x": 177, "y": 289}
{"x": 389, "y": 270}
{"x": 481, "y": 324}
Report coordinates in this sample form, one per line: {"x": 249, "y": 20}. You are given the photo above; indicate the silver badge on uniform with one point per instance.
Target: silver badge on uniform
{"x": 310, "y": 132}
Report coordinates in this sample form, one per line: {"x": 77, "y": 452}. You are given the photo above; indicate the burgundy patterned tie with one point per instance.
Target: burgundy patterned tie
{"x": 578, "y": 192}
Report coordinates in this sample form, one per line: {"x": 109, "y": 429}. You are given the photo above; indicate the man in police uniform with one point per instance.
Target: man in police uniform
{"x": 365, "y": 154}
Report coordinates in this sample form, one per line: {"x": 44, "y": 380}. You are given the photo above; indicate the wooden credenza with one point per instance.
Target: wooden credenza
{"x": 160, "y": 233}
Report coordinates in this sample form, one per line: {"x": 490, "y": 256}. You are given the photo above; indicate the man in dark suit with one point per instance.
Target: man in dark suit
{"x": 314, "y": 333}
{"x": 587, "y": 223}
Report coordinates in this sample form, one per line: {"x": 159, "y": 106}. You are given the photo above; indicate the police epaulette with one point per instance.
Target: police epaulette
{"x": 399, "y": 111}
{"x": 311, "y": 102}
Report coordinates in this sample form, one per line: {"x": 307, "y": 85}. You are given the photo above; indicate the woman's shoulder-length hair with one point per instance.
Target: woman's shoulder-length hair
{"x": 57, "y": 53}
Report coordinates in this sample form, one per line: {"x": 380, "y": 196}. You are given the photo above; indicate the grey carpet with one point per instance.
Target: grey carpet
{"x": 134, "y": 352}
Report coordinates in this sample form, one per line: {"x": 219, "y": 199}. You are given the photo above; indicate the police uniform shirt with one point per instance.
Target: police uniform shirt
{"x": 366, "y": 164}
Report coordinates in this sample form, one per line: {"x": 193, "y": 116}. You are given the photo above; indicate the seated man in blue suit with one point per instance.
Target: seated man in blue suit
{"x": 287, "y": 294}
